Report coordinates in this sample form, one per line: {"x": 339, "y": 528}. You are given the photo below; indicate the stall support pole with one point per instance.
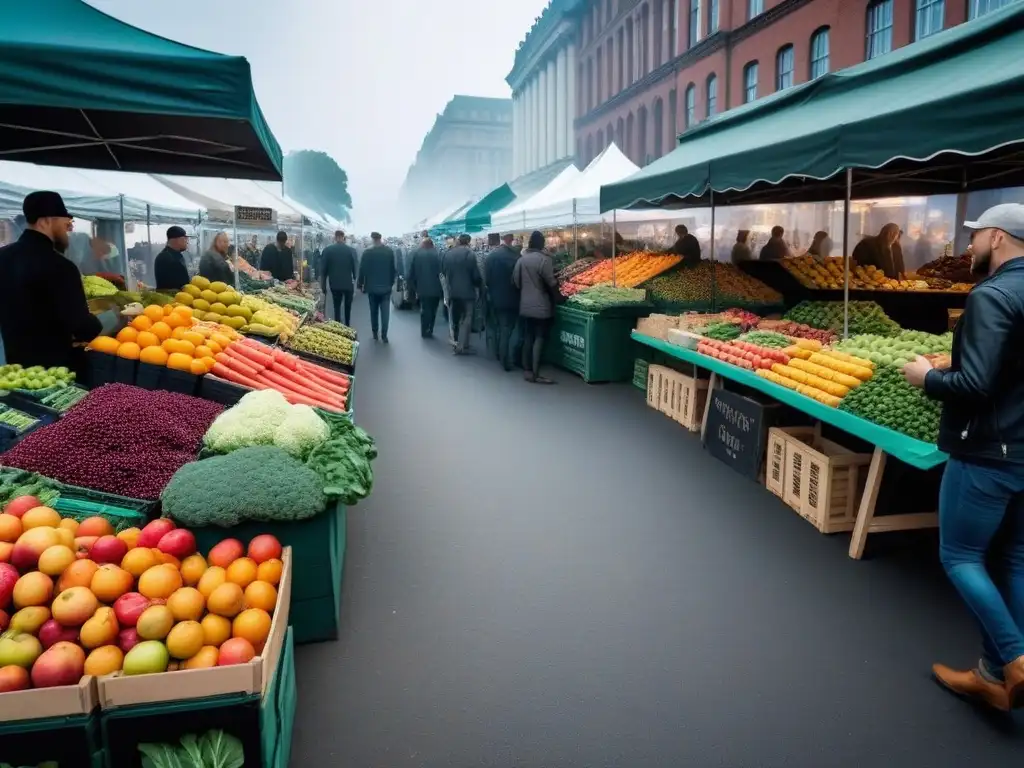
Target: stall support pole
{"x": 615, "y": 277}
{"x": 121, "y": 244}
{"x": 234, "y": 240}
{"x": 846, "y": 253}
{"x": 575, "y": 233}
{"x": 714, "y": 275}
{"x": 149, "y": 240}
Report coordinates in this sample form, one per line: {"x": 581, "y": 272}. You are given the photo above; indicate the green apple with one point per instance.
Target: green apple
{"x": 145, "y": 658}
{"x": 19, "y": 648}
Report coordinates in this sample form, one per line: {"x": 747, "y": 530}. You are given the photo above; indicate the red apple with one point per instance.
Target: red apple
{"x": 225, "y": 552}
{"x": 5, "y": 621}
{"x": 83, "y": 545}
{"x": 108, "y": 549}
{"x": 180, "y": 543}
{"x": 264, "y": 547}
{"x": 62, "y": 664}
{"x": 128, "y": 639}
{"x": 8, "y": 578}
{"x": 52, "y": 632}
{"x": 129, "y": 606}
{"x": 154, "y": 531}
{"x": 21, "y": 505}
{"x": 14, "y": 678}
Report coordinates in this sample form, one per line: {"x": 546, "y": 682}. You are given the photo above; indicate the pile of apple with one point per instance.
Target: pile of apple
{"x": 76, "y": 599}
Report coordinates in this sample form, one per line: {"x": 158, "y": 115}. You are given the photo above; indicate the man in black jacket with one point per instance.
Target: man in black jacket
{"x": 981, "y": 501}
{"x": 686, "y": 245}
{"x": 425, "y": 282}
{"x": 277, "y": 259}
{"x": 503, "y": 295}
{"x": 377, "y": 279}
{"x": 169, "y": 266}
{"x": 462, "y": 274}
{"x": 338, "y": 265}
{"x": 43, "y": 310}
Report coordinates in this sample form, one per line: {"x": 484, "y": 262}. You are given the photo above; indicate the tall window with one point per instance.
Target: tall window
{"x": 659, "y": 128}
{"x": 928, "y": 18}
{"x": 598, "y": 73}
{"x": 690, "y": 116}
{"x": 694, "y": 22}
{"x": 981, "y": 7}
{"x": 610, "y": 58}
{"x": 754, "y": 8}
{"x": 819, "y": 53}
{"x": 672, "y": 31}
{"x": 712, "y": 16}
{"x": 879, "y": 28}
{"x": 750, "y": 82}
{"x": 784, "y": 68}
{"x": 673, "y": 120}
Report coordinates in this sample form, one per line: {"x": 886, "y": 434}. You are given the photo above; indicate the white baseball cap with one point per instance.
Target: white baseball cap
{"x": 1008, "y": 217}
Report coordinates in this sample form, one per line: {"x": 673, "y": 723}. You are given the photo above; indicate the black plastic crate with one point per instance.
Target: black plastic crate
{"x": 179, "y": 381}
{"x": 221, "y": 391}
{"x": 148, "y": 376}
{"x": 73, "y": 740}
{"x": 100, "y": 368}
{"x": 125, "y": 370}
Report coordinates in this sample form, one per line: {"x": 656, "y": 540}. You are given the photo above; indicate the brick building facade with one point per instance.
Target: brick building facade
{"x": 648, "y": 69}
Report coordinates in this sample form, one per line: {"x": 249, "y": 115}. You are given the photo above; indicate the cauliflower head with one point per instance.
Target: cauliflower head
{"x": 253, "y": 421}
{"x": 301, "y": 431}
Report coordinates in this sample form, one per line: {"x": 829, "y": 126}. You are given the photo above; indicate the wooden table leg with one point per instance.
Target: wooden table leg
{"x": 866, "y": 513}
{"x": 713, "y": 382}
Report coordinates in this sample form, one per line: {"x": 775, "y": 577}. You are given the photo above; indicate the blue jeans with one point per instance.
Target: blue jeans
{"x": 380, "y": 312}
{"x": 981, "y": 515}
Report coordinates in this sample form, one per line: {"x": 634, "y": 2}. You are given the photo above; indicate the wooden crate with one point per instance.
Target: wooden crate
{"x": 775, "y": 469}
{"x": 655, "y": 380}
{"x": 683, "y": 398}
{"x": 823, "y": 480}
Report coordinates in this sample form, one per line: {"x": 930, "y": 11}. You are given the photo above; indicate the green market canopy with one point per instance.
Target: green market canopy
{"x": 940, "y": 116}
{"x": 79, "y": 88}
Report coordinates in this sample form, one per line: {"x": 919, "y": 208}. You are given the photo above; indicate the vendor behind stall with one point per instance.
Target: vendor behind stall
{"x": 277, "y": 259}
{"x": 687, "y": 246}
{"x": 170, "y": 269}
{"x": 43, "y": 310}
{"x": 214, "y": 264}
{"x": 881, "y": 251}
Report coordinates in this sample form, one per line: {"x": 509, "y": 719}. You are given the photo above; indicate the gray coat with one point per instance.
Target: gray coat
{"x": 460, "y": 270}
{"x": 425, "y": 273}
{"x": 377, "y": 270}
{"x": 215, "y": 267}
{"x": 338, "y": 265}
{"x": 534, "y": 276}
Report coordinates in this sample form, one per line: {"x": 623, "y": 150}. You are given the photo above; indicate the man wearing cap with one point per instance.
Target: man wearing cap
{"x": 981, "y": 500}
{"x": 502, "y": 294}
{"x": 169, "y": 265}
{"x": 43, "y": 310}
{"x": 338, "y": 266}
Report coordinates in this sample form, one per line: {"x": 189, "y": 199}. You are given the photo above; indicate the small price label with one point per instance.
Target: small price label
{"x": 246, "y": 214}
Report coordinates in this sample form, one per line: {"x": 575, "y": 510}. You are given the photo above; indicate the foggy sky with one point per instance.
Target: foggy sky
{"x": 362, "y": 81}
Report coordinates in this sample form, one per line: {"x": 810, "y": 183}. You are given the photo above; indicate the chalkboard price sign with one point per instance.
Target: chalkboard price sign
{"x": 248, "y": 215}
{"x": 737, "y": 430}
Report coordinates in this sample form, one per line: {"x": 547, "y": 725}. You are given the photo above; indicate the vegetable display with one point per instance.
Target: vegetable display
{"x": 601, "y": 297}
{"x": 260, "y": 483}
{"x": 114, "y": 279}
{"x": 628, "y": 270}
{"x": 119, "y": 439}
{"x": 743, "y": 354}
{"x": 864, "y": 317}
{"x": 14, "y": 376}
{"x": 63, "y": 399}
{"x": 284, "y": 298}
{"x": 96, "y": 287}
{"x": 266, "y": 418}
{"x": 316, "y": 341}
{"x": 766, "y": 339}
{"x": 797, "y": 330}
{"x": 19, "y": 421}
{"x": 575, "y": 268}
{"x": 214, "y": 749}
{"x": 897, "y": 350}
{"x": 333, "y": 326}
{"x": 707, "y": 282}
{"x": 887, "y": 399}
{"x": 17, "y": 483}
{"x": 343, "y": 462}
{"x": 269, "y": 320}
{"x": 721, "y": 331}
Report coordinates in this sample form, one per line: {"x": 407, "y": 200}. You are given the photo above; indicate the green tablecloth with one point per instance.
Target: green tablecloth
{"x": 914, "y": 452}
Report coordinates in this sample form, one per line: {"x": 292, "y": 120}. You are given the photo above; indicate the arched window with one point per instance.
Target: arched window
{"x": 784, "y": 68}
{"x": 750, "y": 82}
{"x": 712, "y": 95}
{"x": 590, "y": 85}
{"x": 610, "y": 56}
{"x": 630, "y": 61}
{"x": 599, "y": 73}
{"x": 929, "y": 17}
{"x": 589, "y": 155}
{"x": 645, "y": 39}
{"x": 659, "y": 128}
{"x": 641, "y": 136}
{"x": 620, "y": 135}
{"x": 621, "y": 82}
{"x": 819, "y": 53}
{"x": 673, "y": 120}
{"x": 628, "y": 149}
{"x": 690, "y": 106}
{"x": 879, "y": 28}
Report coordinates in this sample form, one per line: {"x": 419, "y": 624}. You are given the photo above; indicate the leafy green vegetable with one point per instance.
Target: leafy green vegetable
{"x": 161, "y": 756}
{"x": 865, "y": 317}
{"x": 343, "y": 462}
{"x": 887, "y": 399}
{"x": 221, "y": 750}
{"x": 604, "y": 296}
{"x": 214, "y": 749}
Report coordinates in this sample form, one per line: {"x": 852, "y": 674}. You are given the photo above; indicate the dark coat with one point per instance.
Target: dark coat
{"x": 425, "y": 273}
{"x": 774, "y": 250}
{"x": 498, "y": 268}
{"x": 278, "y": 262}
{"x": 170, "y": 270}
{"x": 43, "y": 309}
{"x": 460, "y": 270}
{"x": 337, "y": 265}
{"x": 982, "y": 392}
{"x": 534, "y": 276}
{"x": 215, "y": 267}
{"x": 377, "y": 270}
{"x": 688, "y": 247}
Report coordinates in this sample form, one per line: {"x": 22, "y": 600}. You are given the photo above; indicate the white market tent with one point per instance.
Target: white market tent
{"x": 517, "y": 215}
{"x": 220, "y": 196}
{"x": 437, "y": 218}
{"x": 165, "y": 205}
{"x": 276, "y": 188}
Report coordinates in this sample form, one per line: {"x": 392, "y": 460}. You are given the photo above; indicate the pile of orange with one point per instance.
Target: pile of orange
{"x": 168, "y": 336}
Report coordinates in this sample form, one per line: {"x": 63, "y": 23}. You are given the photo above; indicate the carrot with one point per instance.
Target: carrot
{"x": 300, "y": 381}
{"x": 324, "y": 373}
{"x": 223, "y": 372}
{"x": 295, "y": 398}
{"x": 288, "y": 361}
{"x": 282, "y": 383}
{"x": 329, "y": 387}
{"x": 251, "y": 355}
{"x": 240, "y": 366}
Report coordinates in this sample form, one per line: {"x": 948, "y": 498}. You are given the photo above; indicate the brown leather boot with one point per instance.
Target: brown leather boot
{"x": 1014, "y": 676}
{"x": 972, "y": 685}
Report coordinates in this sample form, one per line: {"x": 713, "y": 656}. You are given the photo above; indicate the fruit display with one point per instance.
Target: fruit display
{"x": 628, "y": 270}
{"x": 333, "y": 326}
{"x": 896, "y": 350}
{"x": 769, "y": 339}
{"x": 214, "y": 302}
{"x": 828, "y": 275}
{"x": 119, "y": 439}
{"x": 76, "y": 599}
{"x": 63, "y": 399}
{"x": 955, "y": 269}
{"x": 797, "y": 330}
{"x": 96, "y": 287}
{"x": 743, "y": 354}
{"x": 707, "y": 283}
{"x": 575, "y": 268}
{"x": 114, "y": 279}
{"x": 14, "y": 376}
{"x": 864, "y": 317}
{"x": 330, "y": 346}
{"x": 269, "y": 320}
{"x": 598, "y": 297}
{"x": 249, "y": 284}
{"x": 289, "y": 300}
{"x": 888, "y": 400}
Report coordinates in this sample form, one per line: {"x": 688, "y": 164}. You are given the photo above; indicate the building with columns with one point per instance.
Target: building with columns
{"x": 468, "y": 151}
{"x": 543, "y": 81}
{"x": 649, "y": 69}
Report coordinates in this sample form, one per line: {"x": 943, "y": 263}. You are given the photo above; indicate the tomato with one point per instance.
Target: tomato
{"x": 758, "y": 361}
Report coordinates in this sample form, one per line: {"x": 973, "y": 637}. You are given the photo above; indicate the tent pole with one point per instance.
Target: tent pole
{"x": 846, "y": 253}
{"x": 714, "y": 275}
{"x": 149, "y": 236}
{"x": 575, "y": 233}
{"x": 121, "y": 244}
{"x": 234, "y": 258}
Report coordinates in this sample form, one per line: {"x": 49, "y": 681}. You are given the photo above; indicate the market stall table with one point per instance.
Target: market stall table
{"x": 886, "y": 442}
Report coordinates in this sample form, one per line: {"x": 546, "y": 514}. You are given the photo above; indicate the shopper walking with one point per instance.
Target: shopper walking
{"x": 534, "y": 276}
{"x": 214, "y": 264}
{"x": 377, "y": 279}
{"x": 277, "y": 259}
{"x": 337, "y": 267}
{"x": 981, "y": 501}
{"x": 503, "y": 295}
{"x": 425, "y": 283}
{"x": 169, "y": 266}
{"x": 463, "y": 277}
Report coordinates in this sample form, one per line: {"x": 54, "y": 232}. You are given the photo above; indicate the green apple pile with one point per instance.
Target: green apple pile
{"x": 896, "y": 350}
{"x": 14, "y": 376}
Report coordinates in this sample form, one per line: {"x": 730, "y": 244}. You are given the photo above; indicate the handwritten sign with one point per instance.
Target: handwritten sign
{"x": 737, "y": 430}
{"x": 247, "y": 215}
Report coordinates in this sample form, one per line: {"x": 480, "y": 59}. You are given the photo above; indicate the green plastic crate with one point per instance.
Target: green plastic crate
{"x": 597, "y": 347}
{"x": 67, "y": 740}
{"x": 640, "y": 366}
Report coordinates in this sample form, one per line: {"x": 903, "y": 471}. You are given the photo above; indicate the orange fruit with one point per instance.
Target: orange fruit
{"x": 270, "y": 571}
{"x": 10, "y": 528}
{"x": 226, "y": 600}
{"x": 142, "y": 323}
{"x": 154, "y": 312}
{"x": 209, "y": 362}
{"x": 161, "y": 329}
{"x": 216, "y": 629}
{"x": 180, "y": 362}
{"x": 220, "y": 339}
{"x": 262, "y": 595}
{"x": 196, "y": 339}
{"x": 203, "y": 351}
{"x": 242, "y": 572}
{"x": 192, "y": 569}
{"x": 213, "y": 346}
{"x": 40, "y": 517}
{"x": 187, "y": 604}
{"x": 254, "y": 625}
{"x": 127, "y": 334}
{"x": 129, "y": 351}
{"x": 153, "y": 355}
{"x": 185, "y": 640}
{"x": 176, "y": 320}
{"x": 104, "y": 660}
{"x": 160, "y": 581}
{"x": 105, "y": 344}
{"x": 129, "y": 536}
{"x": 138, "y": 561}
{"x": 183, "y": 310}
{"x": 206, "y": 658}
{"x": 167, "y": 309}
{"x": 147, "y": 339}
{"x": 178, "y": 333}
{"x": 212, "y": 578}
{"x": 198, "y": 367}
